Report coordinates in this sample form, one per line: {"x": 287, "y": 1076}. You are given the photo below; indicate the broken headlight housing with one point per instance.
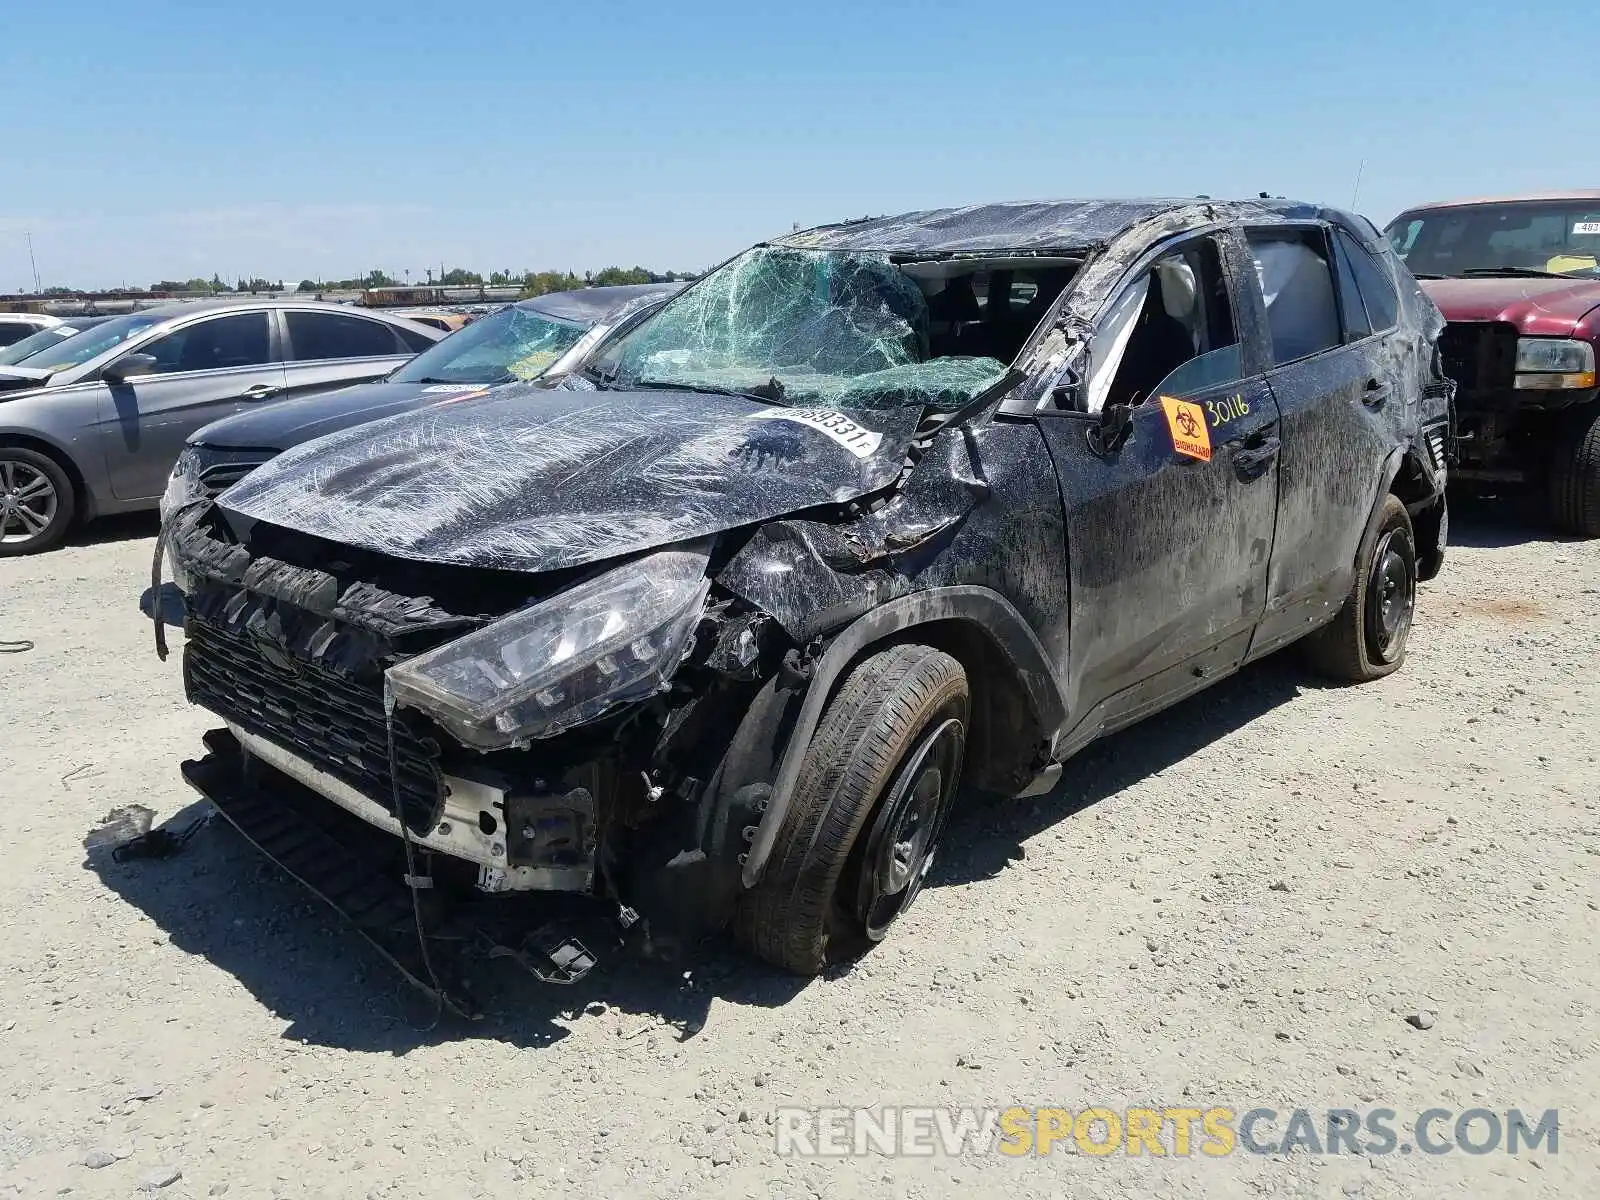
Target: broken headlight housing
{"x": 183, "y": 484}
{"x": 1554, "y": 363}
{"x": 563, "y": 661}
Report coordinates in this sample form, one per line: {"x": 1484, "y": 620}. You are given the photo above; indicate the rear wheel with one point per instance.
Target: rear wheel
{"x": 1575, "y": 477}
{"x": 873, "y": 794}
{"x": 36, "y": 502}
{"x": 1367, "y": 640}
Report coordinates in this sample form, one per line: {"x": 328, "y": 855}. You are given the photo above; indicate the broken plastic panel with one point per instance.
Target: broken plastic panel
{"x": 802, "y": 327}
{"x": 564, "y": 661}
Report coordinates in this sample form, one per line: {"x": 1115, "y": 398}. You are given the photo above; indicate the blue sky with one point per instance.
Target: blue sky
{"x": 296, "y": 138}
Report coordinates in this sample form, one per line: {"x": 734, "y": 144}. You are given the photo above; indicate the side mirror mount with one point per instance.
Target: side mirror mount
{"x": 1116, "y": 423}
{"x": 1068, "y": 394}
{"x": 129, "y": 366}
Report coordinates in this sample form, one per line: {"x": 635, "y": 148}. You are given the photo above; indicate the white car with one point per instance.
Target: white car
{"x": 14, "y": 326}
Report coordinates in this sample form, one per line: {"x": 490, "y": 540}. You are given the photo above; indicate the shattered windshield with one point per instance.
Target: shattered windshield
{"x": 1533, "y": 238}
{"x": 514, "y": 343}
{"x": 791, "y": 326}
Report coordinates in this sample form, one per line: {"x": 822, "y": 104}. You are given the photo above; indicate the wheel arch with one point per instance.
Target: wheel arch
{"x": 1409, "y": 477}
{"x": 83, "y": 501}
{"x": 1017, "y": 699}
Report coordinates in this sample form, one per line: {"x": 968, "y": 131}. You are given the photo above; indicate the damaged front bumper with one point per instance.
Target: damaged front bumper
{"x": 357, "y": 871}
{"x": 478, "y": 823}
{"x": 446, "y": 732}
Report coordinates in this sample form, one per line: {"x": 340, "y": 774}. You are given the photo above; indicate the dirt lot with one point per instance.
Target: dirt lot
{"x": 1238, "y": 903}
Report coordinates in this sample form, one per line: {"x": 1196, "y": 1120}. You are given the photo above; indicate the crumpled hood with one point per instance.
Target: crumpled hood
{"x": 532, "y": 479}
{"x": 1540, "y": 307}
{"x": 279, "y": 426}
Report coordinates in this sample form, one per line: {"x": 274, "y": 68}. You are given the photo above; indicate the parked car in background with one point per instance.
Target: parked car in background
{"x": 547, "y": 336}
{"x": 1518, "y": 279}
{"x": 47, "y": 337}
{"x": 92, "y": 425}
{"x": 15, "y": 326}
{"x": 447, "y": 322}
{"x": 716, "y": 628}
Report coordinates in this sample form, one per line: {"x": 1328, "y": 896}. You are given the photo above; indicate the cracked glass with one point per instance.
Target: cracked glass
{"x": 800, "y": 327}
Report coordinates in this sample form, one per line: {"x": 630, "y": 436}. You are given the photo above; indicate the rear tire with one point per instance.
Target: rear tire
{"x": 1367, "y": 640}
{"x": 37, "y": 502}
{"x": 866, "y": 814}
{"x": 1575, "y": 477}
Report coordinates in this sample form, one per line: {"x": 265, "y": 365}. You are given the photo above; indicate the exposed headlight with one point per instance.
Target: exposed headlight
{"x": 184, "y": 483}
{"x": 565, "y": 660}
{"x": 1554, "y": 363}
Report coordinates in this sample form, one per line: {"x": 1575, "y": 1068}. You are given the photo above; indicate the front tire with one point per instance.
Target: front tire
{"x": 1367, "y": 640}
{"x": 1575, "y": 477}
{"x": 871, "y": 800}
{"x": 36, "y": 502}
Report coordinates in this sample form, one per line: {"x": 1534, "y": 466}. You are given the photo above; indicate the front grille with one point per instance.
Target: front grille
{"x": 1481, "y": 356}
{"x": 331, "y": 720}
{"x": 220, "y": 478}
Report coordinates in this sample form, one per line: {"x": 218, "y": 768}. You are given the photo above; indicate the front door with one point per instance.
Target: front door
{"x": 206, "y": 370}
{"x": 1169, "y": 533}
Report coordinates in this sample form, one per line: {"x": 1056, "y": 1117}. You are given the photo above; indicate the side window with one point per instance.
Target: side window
{"x": 1356, "y": 324}
{"x": 321, "y": 335}
{"x": 415, "y": 342}
{"x": 238, "y": 340}
{"x": 1297, "y": 287}
{"x": 1169, "y": 332}
{"x": 12, "y": 332}
{"x": 1376, "y": 283}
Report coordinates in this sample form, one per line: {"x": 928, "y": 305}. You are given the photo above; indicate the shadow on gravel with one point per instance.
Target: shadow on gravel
{"x": 1487, "y": 521}
{"x": 985, "y": 834}
{"x": 126, "y": 527}
{"x": 220, "y": 899}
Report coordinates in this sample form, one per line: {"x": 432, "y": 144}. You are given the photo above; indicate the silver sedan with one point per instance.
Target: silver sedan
{"x": 92, "y": 425}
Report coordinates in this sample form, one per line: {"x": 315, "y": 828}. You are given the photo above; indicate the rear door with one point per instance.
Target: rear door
{"x": 330, "y": 349}
{"x": 207, "y": 369}
{"x": 1333, "y": 386}
{"x": 1170, "y": 533}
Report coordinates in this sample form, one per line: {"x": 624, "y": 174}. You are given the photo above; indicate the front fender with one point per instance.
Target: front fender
{"x": 983, "y": 609}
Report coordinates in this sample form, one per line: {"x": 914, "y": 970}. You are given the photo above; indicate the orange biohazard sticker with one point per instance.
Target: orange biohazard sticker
{"x": 1186, "y": 422}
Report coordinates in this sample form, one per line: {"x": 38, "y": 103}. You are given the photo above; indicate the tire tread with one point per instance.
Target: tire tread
{"x": 787, "y": 919}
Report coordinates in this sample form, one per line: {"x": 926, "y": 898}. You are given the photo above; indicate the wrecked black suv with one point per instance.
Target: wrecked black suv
{"x": 715, "y": 630}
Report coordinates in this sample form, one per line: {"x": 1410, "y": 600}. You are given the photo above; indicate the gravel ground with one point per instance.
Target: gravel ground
{"x": 1237, "y": 903}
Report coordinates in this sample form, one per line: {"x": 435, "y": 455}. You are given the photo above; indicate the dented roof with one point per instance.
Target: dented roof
{"x": 1063, "y": 225}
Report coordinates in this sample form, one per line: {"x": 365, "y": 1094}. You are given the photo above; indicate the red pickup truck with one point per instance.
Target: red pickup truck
{"x": 1518, "y": 280}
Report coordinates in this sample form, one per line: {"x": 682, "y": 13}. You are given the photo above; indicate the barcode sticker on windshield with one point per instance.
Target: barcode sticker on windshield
{"x": 1586, "y": 227}
{"x": 863, "y": 443}
{"x": 445, "y": 389}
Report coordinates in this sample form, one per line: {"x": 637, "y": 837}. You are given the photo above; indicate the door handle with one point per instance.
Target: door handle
{"x": 1253, "y": 458}
{"x": 259, "y": 391}
{"x": 1377, "y": 394}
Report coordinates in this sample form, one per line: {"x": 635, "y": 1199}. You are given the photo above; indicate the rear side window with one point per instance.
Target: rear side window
{"x": 13, "y": 331}
{"x": 1297, "y": 286}
{"x": 1356, "y": 324}
{"x": 1376, "y": 284}
{"x": 316, "y": 335}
